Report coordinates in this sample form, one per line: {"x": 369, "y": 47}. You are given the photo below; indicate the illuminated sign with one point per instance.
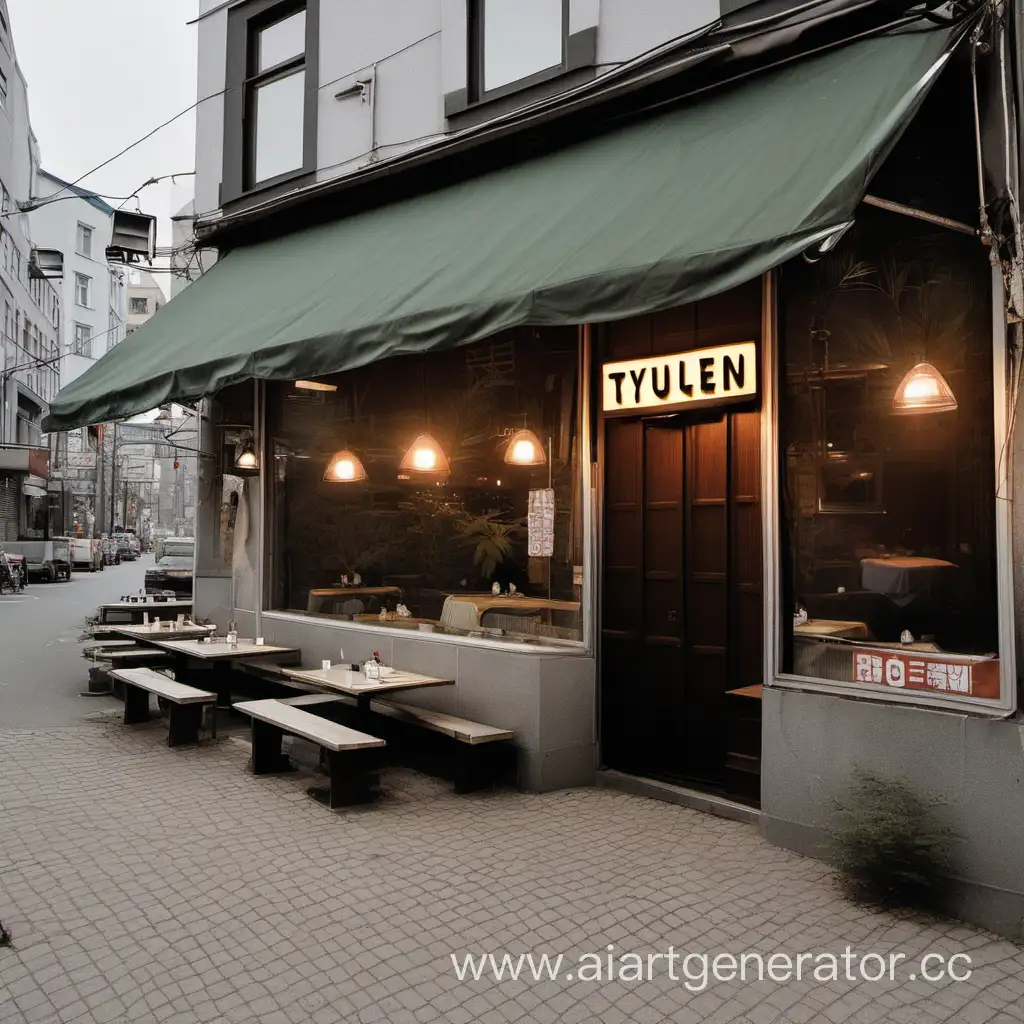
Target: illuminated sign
{"x": 704, "y": 376}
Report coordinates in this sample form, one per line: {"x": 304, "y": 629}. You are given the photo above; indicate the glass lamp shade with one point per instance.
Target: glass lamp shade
{"x": 425, "y": 455}
{"x": 923, "y": 390}
{"x": 525, "y": 449}
{"x": 246, "y": 459}
{"x": 345, "y": 467}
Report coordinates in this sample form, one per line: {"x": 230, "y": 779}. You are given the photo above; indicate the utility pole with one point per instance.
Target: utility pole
{"x": 113, "y": 479}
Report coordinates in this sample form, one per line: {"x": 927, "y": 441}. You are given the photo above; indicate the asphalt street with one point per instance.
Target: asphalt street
{"x": 42, "y": 671}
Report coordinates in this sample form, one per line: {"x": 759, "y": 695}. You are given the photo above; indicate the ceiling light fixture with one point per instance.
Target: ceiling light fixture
{"x": 425, "y": 455}
{"x": 345, "y": 467}
{"x": 315, "y": 385}
{"x": 525, "y": 449}
{"x": 923, "y": 390}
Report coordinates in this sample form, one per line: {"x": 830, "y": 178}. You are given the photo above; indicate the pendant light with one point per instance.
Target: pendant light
{"x": 923, "y": 390}
{"x": 425, "y": 455}
{"x": 345, "y": 467}
{"x": 525, "y": 449}
{"x": 246, "y": 459}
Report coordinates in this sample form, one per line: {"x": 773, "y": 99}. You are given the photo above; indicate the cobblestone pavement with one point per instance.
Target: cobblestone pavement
{"x": 147, "y": 884}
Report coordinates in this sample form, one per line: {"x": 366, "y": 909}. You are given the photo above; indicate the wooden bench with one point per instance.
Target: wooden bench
{"x": 185, "y": 703}
{"x": 111, "y": 654}
{"x": 352, "y": 757}
{"x": 480, "y": 749}
{"x": 92, "y": 650}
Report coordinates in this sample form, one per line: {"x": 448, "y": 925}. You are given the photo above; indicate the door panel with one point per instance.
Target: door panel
{"x": 682, "y": 607}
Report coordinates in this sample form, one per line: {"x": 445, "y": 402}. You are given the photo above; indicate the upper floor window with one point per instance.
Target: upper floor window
{"x": 83, "y": 241}
{"x": 276, "y": 98}
{"x": 140, "y": 304}
{"x": 270, "y": 108}
{"x": 83, "y": 290}
{"x": 3, "y": 89}
{"x": 83, "y": 339}
{"x": 517, "y": 42}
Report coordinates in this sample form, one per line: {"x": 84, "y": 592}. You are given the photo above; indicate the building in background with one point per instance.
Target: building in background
{"x": 79, "y": 224}
{"x": 31, "y": 312}
{"x": 145, "y": 297}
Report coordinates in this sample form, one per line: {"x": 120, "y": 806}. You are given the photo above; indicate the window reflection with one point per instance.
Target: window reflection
{"x": 404, "y": 498}
{"x": 279, "y": 126}
{"x": 521, "y": 38}
{"x": 282, "y": 41}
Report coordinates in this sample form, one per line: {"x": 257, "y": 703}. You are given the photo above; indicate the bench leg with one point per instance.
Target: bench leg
{"x": 477, "y": 766}
{"x": 353, "y": 778}
{"x": 267, "y": 758}
{"x": 183, "y": 724}
{"x": 136, "y": 705}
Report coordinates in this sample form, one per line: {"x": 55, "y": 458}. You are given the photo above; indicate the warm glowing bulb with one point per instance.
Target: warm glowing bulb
{"x": 921, "y": 386}
{"x": 247, "y": 460}
{"x": 424, "y": 458}
{"x": 345, "y": 469}
{"x": 523, "y": 451}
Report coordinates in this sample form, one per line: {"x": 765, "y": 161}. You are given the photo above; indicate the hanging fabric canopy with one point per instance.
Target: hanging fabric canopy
{"x": 664, "y": 211}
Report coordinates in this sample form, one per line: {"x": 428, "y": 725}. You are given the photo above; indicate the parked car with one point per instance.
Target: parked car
{"x": 46, "y": 560}
{"x": 173, "y": 569}
{"x": 86, "y": 554}
{"x": 128, "y": 546}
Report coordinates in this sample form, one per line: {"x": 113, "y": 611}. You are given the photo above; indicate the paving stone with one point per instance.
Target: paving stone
{"x": 150, "y": 885}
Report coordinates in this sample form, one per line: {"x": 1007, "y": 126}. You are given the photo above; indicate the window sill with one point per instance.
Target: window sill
{"x": 917, "y": 699}
{"x": 271, "y": 189}
{"x": 570, "y": 649}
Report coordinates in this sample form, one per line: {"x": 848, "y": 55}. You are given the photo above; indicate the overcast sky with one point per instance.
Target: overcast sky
{"x": 102, "y": 73}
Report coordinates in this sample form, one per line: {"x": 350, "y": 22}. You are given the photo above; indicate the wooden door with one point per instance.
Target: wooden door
{"x": 681, "y": 608}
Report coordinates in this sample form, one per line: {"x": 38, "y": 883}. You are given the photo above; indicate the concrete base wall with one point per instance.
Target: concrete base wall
{"x": 813, "y": 743}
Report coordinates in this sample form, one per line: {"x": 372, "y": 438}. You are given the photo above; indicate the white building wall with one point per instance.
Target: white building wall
{"x": 55, "y": 226}
{"x": 417, "y": 53}
{"x": 24, "y": 302}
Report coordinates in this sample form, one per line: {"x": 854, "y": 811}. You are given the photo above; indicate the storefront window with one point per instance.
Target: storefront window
{"x": 437, "y": 493}
{"x": 887, "y": 458}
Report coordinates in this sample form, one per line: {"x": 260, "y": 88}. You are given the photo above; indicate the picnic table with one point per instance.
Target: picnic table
{"x": 341, "y": 679}
{"x": 128, "y": 612}
{"x": 192, "y": 654}
{"x": 162, "y": 631}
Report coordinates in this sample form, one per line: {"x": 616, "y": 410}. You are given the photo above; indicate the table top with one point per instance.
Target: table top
{"x": 354, "y": 591}
{"x": 910, "y": 562}
{"x": 162, "y": 632}
{"x": 851, "y": 629}
{"x": 344, "y": 680}
{"x": 148, "y": 606}
{"x": 220, "y": 650}
{"x": 489, "y": 602}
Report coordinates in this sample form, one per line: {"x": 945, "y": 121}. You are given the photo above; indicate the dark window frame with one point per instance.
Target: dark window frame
{"x": 579, "y": 52}
{"x": 477, "y": 30}
{"x": 242, "y": 80}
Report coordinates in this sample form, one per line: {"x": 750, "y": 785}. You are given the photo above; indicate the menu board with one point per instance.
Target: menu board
{"x": 540, "y": 523}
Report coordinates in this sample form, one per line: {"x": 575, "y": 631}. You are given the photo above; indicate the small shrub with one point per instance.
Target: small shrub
{"x": 887, "y": 844}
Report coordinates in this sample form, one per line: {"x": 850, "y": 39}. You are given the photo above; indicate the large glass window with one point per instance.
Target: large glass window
{"x": 887, "y": 456}
{"x": 517, "y": 39}
{"x": 437, "y": 493}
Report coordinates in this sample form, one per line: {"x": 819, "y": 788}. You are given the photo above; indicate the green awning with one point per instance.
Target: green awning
{"x": 661, "y": 212}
